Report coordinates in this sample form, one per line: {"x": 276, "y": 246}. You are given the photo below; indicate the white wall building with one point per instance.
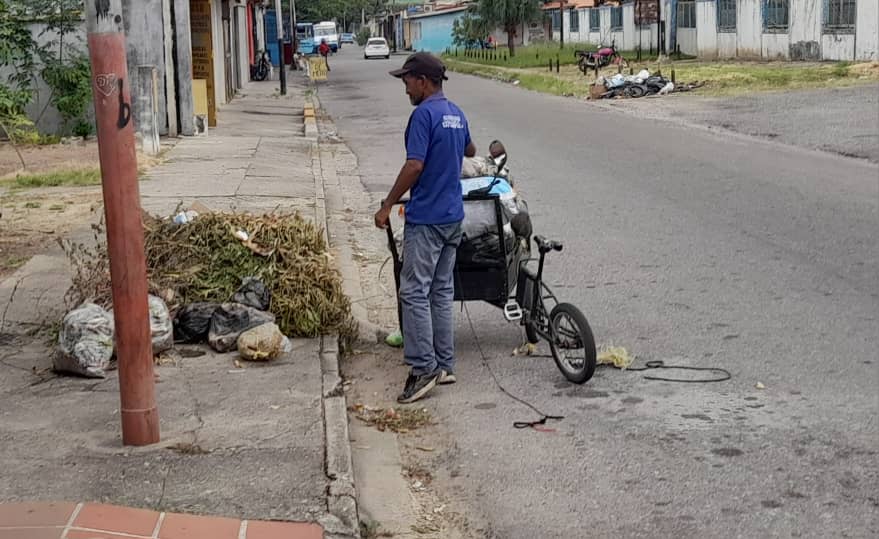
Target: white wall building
{"x": 769, "y": 29}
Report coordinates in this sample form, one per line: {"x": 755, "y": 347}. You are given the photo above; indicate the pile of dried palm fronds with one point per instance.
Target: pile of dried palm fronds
{"x": 207, "y": 258}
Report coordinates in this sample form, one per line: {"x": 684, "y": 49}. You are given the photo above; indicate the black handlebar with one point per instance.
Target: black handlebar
{"x": 544, "y": 245}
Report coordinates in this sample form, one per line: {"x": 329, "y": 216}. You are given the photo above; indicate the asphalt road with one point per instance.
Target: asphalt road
{"x": 680, "y": 245}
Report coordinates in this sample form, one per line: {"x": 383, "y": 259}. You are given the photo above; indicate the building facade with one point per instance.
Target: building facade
{"x": 766, "y": 29}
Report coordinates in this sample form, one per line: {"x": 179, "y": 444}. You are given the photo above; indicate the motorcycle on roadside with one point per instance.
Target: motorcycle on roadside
{"x": 605, "y": 56}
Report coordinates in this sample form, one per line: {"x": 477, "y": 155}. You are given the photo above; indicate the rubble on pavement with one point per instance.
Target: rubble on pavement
{"x": 637, "y": 85}
{"x": 220, "y": 275}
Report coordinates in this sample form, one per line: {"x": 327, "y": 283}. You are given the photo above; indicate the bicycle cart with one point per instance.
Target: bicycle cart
{"x": 497, "y": 267}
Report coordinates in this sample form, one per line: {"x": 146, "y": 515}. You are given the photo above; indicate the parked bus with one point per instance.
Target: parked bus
{"x": 329, "y": 31}
{"x": 305, "y": 37}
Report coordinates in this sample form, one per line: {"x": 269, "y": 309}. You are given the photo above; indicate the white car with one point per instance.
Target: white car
{"x": 376, "y": 47}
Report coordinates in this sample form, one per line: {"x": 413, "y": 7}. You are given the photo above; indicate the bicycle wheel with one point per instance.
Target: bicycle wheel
{"x": 572, "y": 345}
{"x": 261, "y": 72}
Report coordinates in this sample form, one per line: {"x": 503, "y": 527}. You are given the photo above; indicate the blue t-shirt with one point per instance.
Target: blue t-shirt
{"x": 437, "y": 135}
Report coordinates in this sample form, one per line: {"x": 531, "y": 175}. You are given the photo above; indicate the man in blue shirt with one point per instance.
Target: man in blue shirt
{"x": 437, "y": 139}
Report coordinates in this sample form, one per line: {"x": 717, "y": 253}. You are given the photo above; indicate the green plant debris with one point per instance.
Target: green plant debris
{"x": 399, "y": 420}
{"x": 203, "y": 260}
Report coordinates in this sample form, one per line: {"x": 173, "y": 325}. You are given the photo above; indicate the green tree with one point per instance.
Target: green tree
{"x": 17, "y": 47}
{"x": 468, "y": 31}
{"x": 509, "y": 15}
{"x": 58, "y": 58}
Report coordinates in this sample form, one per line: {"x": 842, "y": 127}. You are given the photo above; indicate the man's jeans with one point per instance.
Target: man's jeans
{"x": 427, "y": 292}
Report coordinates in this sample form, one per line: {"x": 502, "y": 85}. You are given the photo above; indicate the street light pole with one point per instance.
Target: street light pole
{"x": 125, "y": 245}
{"x": 280, "y": 24}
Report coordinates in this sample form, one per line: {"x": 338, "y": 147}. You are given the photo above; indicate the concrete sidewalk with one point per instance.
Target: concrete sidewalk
{"x": 245, "y": 441}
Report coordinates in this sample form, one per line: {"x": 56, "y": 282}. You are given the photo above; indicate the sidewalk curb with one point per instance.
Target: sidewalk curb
{"x": 343, "y": 521}
{"x": 325, "y": 178}
{"x": 310, "y": 120}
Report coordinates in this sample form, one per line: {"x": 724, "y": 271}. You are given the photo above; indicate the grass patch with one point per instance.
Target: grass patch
{"x": 13, "y": 262}
{"x": 532, "y": 79}
{"x": 32, "y": 205}
{"x": 728, "y": 78}
{"x": 87, "y": 176}
{"x": 532, "y": 55}
{"x": 721, "y": 78}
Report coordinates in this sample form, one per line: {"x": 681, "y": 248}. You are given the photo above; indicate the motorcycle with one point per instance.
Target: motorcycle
{"x": 590, "y": 60}
{"x": 260, "y": 71}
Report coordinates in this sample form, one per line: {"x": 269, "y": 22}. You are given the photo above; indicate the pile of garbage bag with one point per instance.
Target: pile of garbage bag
{"x": 87, "y": 336}
{"x": 641, "y": 84}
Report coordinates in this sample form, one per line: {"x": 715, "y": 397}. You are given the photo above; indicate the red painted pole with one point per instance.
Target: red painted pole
{"x": 111, "y": 90}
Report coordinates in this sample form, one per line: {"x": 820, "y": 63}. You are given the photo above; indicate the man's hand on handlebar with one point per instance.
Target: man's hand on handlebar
{"x": 383, "y": 217}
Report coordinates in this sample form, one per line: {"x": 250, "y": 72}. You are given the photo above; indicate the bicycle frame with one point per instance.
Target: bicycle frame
{"x": 537, "y": 313}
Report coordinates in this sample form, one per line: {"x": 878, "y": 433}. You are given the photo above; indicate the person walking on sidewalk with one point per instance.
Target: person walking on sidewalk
{"x": 437, "y": 139}
{"x": 324, "y": 50}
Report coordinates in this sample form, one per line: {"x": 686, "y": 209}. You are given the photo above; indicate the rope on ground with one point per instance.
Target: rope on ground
{"x": 536, "y": 425}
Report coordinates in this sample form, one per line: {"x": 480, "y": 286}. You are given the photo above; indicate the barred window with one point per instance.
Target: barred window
{"x": 726, "y": 15}
{"x": 556, "y": 19}
{"x": 616, "y": 18}
{"x": 686, "y": 14}
{"x": 594, "y": 20}
{"x": 574, "y": 21}
{"x": 776, "y": 15}
{"x": 839, "y": 15}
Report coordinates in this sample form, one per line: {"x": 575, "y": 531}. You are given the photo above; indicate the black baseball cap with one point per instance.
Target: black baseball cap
{"x": 422, "y": 63}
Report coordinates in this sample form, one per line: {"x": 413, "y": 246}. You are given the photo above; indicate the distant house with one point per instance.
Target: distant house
{"x": 432, "y": 31}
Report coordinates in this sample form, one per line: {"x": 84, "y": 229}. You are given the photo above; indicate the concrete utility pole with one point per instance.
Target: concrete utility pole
{"x": 293, "y": 30}
{"x": 562, "y": 24}
{"x": 280, "y": 23}
{"x": 110, "y": 87}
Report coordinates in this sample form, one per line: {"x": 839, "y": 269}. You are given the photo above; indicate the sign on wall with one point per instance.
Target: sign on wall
{"x": 646, "y": 12}
{"x": 203, "y": 51}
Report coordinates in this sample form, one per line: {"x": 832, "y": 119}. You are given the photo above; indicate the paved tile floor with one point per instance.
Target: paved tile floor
{"x": 63, "y": 520}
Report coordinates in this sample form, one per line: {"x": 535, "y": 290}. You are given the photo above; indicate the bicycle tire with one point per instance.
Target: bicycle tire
{"x": 261, "y": 73}
{"x": 581, "y": 335}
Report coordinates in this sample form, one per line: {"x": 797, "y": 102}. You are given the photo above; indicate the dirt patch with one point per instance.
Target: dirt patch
{"x": 33, "y": 219}
{"x": 76, "y": 156}
{"x": 374, "y": 375}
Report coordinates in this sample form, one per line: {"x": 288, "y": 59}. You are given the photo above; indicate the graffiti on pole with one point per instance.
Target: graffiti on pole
{"x": 106, "y": 83}
{"x": 102, "y": 7}
{"x": 124, "y": 108}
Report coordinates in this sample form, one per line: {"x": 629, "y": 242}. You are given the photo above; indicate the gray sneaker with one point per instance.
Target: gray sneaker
{"x": 417, "y": 387}
{"x": 446, "y": 378}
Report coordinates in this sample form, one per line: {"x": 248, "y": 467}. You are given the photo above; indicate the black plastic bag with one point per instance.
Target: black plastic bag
{"x": 192, "y": 323}
{"x": 253, "y": 293}
{"x": 230, "y": 320}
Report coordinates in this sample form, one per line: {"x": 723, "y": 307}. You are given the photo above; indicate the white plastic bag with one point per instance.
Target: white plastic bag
{"x": 161, "y": 328}
{"x": 85, "y": 341}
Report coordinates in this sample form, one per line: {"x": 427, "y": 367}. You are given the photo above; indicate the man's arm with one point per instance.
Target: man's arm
{"x": 405, "y": 180}
{"x": 470, "y": 150}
